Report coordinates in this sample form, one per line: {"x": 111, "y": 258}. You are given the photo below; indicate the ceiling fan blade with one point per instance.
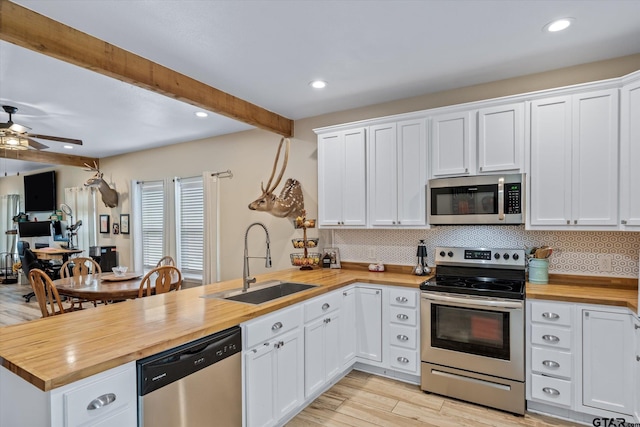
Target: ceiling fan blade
{"x": 14, "y": 127}
{"x": 57, "y": 138}
{"x": 36, "y": 144}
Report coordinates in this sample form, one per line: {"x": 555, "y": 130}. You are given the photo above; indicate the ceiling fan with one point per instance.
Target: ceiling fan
{"x": 14, "y": 136}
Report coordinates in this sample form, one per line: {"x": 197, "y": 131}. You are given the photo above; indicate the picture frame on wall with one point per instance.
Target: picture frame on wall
{"x": 124, "y": 223}
{"x": 334, "y": 254}
{"x": 104, "y": 224}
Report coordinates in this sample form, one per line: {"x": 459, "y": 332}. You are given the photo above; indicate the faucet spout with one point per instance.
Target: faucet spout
{"x": 246, "y": 276}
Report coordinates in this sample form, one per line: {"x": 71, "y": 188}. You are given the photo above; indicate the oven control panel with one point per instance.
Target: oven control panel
{"x": 514, "y": 258}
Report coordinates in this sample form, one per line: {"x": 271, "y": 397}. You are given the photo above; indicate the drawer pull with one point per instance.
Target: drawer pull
{"x": 276, "y": 326}
{"x": 551, "y": 364}
{"x": 403, "y": 360}
{"x": 327, "y": 320}
{"x": 325, "y": 306}
{"x": 551, "y": 391}
{"x": 550, "y": 338}
{"x": 402, "y": 338}
{"x": 402, "y": 299}
{"x": 402, "y": 317}
{"x": 551, "y": 316}
{"x": 279, "y": 344}
{"x": 101, "y": 401}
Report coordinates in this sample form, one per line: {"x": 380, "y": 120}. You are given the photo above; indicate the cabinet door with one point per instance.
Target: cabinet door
{"x": 550, "y": 188}
{"x": 331, "y": 158}
{"x": 595, "y": 157}
{"x": 332, "y": 356}
{"x": 608, "y": 353}
{"x": 636, "y": 327}
{"x": 289, "y": 383}
{"x": 348, "y": 327}
{"x": 412, "y": 172}
{"x": 354, "y": 208}
{"x": 501, "y": 138}
{"x": 314, "y": 351}
{"x": 630, "y": 155}
{"x": 260, "y": 386}
{"x": 450, "y": 144}
{"x": 369, "y": 323}
{"x": 383, "y": 178}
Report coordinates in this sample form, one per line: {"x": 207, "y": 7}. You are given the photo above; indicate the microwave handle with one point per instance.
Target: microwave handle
{"x": 501, "y": 199}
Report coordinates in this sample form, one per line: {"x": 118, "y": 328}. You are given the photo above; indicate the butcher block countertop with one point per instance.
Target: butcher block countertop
{"x": 59, "y": 350}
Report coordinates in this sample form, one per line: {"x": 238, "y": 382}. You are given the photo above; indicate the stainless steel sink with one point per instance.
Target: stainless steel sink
{"x": 261, "y": 293}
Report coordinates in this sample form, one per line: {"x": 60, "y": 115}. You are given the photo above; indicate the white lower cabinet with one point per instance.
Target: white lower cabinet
{"x": 348, "y": 330}
{"x": 107, "y": 399}
{"x": 274, "y": 366}
{"x": 581, "y": 360}
{"x": 369, "y": 323}
{"x": 402, "y": 330}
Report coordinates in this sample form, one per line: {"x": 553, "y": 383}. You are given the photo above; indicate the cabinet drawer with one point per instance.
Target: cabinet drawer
{"x": 109, "y": 395}
{"x": 273, "y": 325}
{"x": 403, "y": 359}
{"x": 403, "y": 316}
{"x": 322, "y": 305}
{"x": 551, "y": 390}
{"x": 550, "y": 336}
{"x": 403, "y": 297}
{"x": 551, "y": 362}
{"x": 550, "y": 313}
{"x": 403, "y": 336}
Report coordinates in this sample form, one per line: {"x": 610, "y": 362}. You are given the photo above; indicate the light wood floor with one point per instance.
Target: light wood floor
{"x": 358, "y": 400}
{"x": 364, "y": 400}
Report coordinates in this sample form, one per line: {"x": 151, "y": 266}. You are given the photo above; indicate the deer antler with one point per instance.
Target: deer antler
{"x": 93, "y": 168}
{"x": 270, "y": 189}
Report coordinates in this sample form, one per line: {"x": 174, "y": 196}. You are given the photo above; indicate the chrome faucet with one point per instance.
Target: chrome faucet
{"x": 246, "y": 279}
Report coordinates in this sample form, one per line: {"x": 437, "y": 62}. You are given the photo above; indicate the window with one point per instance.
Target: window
{"x": 190, "y": 225}
{"x": 152, "y": 199}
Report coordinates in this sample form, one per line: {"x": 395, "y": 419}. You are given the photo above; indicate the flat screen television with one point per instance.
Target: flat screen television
{"x": 40, "y": 192}
{"x": 34, "y": 228}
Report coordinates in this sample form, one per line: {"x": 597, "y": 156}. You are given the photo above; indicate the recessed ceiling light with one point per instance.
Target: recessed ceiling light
{"x": 558, "y": 25}
{"x": 68, "y": 147}
{"x": 201, "y": 114}
{"x": 318, "y": 84}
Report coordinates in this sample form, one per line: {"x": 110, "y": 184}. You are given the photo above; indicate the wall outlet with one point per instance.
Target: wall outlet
{"x": 371, "y": 253}
{"x": 604, "y": 263}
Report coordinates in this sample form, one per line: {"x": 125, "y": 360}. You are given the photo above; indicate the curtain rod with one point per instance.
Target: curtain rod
{"x": 224, "y": 174}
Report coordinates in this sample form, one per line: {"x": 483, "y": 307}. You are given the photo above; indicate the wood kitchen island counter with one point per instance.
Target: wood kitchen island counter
{"x": 60, "y": 350}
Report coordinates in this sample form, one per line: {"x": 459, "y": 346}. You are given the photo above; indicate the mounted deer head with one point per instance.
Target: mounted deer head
{"x": 290, "y": 203}
{"x": 109, "y": 195}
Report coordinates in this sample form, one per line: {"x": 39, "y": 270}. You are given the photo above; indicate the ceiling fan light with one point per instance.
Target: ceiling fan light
{"x": 13, "y": 143}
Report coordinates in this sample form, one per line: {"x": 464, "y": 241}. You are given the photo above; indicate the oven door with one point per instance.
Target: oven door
{"x": 479, "y": 334}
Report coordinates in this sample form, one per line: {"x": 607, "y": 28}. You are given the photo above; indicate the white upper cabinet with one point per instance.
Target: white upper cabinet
{"x": 397, "y": 173}
{"x": 574, "y": 161}
{"x": 341, "y": 179}
{"x": 451, "y": 144}
{"x": 630, "y": 155}
{"x": 501, "y": 138}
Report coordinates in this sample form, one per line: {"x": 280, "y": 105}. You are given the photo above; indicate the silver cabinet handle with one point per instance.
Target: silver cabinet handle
{"x": 403, "y": 337}
{"x": 501, "y": 199}
{"x": 636, "y": 326}
{"x": 402, "y": 317}
{"x": 402, "y": 299}
{"x": 637, "y": 358}
{"x": 551, "y": 391}
{"x": 276, "y": 326}
{"x": 550, "y": 316}
{"x": 624, "y": 222}
{"x": 101, "y": 401}
{"x": 327, "y": 320}
{"x": 550, "y": 338}
{"x": 344, "y": 294}
{"x": 551, "y": 364}
{"x": 279, "y": 344}
{"x": 403, "y": 360}
{"x": 325, "y": 306}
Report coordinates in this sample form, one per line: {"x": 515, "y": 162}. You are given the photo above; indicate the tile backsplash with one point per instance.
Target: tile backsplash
{"x": 574, "y": 252}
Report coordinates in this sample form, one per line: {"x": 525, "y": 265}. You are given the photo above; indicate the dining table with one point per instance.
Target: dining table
{"x": 49, "y": 253}
{"x": 101, "y": 286}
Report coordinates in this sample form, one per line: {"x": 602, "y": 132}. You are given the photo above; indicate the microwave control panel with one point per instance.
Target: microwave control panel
{"x": 512, "y": 198}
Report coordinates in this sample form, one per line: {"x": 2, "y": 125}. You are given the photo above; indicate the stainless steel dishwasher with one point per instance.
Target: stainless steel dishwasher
{"x": 196, "y": 384}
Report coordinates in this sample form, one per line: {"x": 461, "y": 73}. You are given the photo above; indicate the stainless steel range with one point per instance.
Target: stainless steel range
{"x": 472, "y": 327}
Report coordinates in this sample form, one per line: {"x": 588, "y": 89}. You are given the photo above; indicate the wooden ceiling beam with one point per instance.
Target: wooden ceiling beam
{"x": 47, "y": 157}
{"x": 28, "y": 29}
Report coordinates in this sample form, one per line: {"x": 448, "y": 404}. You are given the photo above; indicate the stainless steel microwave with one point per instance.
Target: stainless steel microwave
{"x": 483, "y": 199}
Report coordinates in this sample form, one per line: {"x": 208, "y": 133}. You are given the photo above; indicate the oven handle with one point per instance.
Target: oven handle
{"x": 507, "y": 305}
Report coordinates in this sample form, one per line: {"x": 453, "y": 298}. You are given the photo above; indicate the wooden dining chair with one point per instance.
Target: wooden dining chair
{"x": 79, "y": 266}
{"x": 46, "y": 294}
{"x": 166, "y": 260}
{"x": 165, "y": 278}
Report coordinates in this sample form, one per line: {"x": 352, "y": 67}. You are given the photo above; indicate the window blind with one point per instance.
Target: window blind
{"x": 153, "y": 222}
{"x": 190, "y": 225}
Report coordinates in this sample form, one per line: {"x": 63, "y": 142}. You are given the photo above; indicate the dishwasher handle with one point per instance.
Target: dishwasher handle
{"x": 157, "y": 371}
